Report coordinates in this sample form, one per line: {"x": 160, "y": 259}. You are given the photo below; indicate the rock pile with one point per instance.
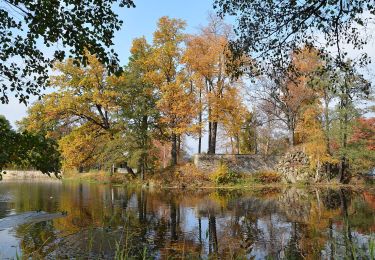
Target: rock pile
{"x": 294, "y": 166}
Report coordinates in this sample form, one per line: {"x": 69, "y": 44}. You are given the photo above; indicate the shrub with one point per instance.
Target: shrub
{"x": 268, "y": 177}
{"x": 222, "y": 175}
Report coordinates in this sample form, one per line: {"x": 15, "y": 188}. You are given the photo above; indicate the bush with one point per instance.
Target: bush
{"x": 222, "y": 175}
{"x": 268, "y": 177}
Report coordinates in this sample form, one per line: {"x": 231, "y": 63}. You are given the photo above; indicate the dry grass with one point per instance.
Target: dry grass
{"x": 180, "y": 176}
{"x": 267, "y": 177}
{"x": 98, "y": 177}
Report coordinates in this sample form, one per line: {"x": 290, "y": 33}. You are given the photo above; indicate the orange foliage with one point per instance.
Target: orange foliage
{"x": 365, "y": 131}
{"x": 298, "y": 92}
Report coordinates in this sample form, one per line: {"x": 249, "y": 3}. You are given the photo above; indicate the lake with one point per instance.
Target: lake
{"x": 71, "y": 220}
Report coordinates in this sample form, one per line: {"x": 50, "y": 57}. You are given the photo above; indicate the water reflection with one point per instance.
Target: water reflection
{"x": 109, "y": 221}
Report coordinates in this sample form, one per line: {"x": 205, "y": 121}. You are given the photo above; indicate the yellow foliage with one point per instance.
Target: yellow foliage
{"x": 222, "y": 175}
{"x": 207, "y": 56}
{"x": 312, "y": 136}
{"x": 177, "y": 107}
{"x": 233, "y": 112}
{"x": 176, "y": 102}
{"x": 80, "y": 147}
{"x": 79, "y": 113}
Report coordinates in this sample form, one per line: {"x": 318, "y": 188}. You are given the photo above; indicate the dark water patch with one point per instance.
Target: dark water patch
{"x": 105, "y": 222}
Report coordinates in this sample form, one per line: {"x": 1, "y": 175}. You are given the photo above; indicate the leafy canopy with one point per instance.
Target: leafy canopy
{"x": 270, "y": 30}
{"x": 27, "y": 28}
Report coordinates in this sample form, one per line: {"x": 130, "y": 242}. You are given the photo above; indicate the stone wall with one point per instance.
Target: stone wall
{"x": 25, "y": 175}
{"x": 294, "y": 167}
{"x": 241, "y": 163}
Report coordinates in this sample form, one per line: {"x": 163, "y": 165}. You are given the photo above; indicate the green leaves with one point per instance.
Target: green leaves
{"x": 74, "y": 25}
{"x": 27, "y": 150}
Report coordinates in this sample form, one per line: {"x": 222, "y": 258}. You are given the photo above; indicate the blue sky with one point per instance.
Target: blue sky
{"x": 137, "y": 22}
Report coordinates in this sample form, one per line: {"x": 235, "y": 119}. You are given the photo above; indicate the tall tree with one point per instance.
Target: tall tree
{"x": 311, "y": 134}
{"x": 177, "y": 111}
{"x": 286, "y": 92}
{"x": 175, "y": 101}
{"x": 138, "y": 103}
{"x": 349, "y": 86}
{"x": 206, "y": 55}
{"x": 27, "y": 28}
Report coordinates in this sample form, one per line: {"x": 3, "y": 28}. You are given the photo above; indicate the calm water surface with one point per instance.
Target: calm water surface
{"x": 103, "y": 221}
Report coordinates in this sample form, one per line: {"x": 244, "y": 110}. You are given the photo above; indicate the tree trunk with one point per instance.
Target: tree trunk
{"x": 291, "y": 126}
{"x": 129, "y": 170}
{"x": 200, "y": 230}
{"x": 209, "y": 137}
{"x": 212, "y": 138}
{"x": 327, "y": 126}
{"x": 327, "y": 132}
{"x": 238, "y": 143}
{"x": 143, "y": 158}
{"x": 112, "y": 169}
{"x": 200, "y": 122}
{"x": 291, "y": 136}
{"x": 174, "y": 150}
{"x": 200, "y": 143}
{"x": 344, "y": 132}
{"x": 141, "y": 168}
{"x": 255, "y": 140}
{"x": 178, "y": 147}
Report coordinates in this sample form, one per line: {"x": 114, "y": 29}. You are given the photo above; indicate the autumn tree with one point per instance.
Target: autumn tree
{"x": 361, "y": 145}
{"x": 138, "y": 111}
{"x": 233, "y": 116}
{"x": 206, "y": 55}
{"x": 285, "y": 93}
{"x": 176, "y": 101}
{"x": 197, "y": 87}
{"x": 324, "y": 90}
{"x": 39, "y": 120}
{"x": 364, "y": 133}
{"x": 177, "y": 110}
{"x": 85, "y": 103}
{"x": 312, "y": 137}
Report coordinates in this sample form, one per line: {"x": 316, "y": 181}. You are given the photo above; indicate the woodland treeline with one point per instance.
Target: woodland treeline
{"x": 181, "y": 86}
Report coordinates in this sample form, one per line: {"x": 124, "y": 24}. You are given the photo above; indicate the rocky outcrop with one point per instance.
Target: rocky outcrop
{"x": 294, "y": 167}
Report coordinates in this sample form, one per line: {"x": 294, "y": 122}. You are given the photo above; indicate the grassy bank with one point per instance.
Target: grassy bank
{"x": 101, "y": 177}
{"x": 187, "y": 176}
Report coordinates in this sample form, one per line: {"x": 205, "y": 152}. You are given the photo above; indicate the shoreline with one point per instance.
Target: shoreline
{"x": 152, "y": 183}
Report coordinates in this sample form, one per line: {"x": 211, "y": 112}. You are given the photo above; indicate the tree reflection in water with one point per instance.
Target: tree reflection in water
{"x": 104, "y": 221}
